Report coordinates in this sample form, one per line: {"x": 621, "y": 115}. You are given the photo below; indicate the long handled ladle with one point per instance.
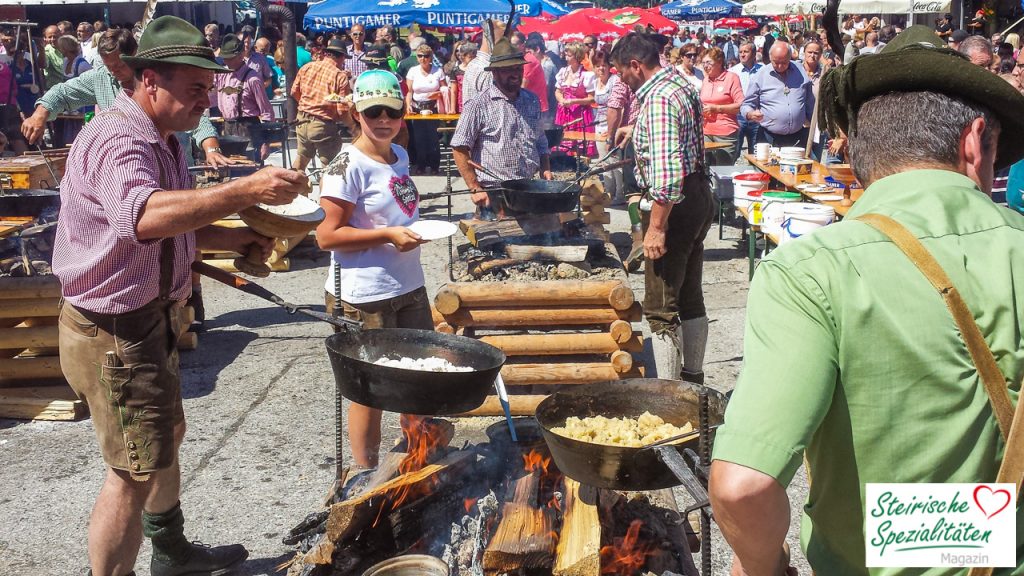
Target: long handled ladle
{"x": 244, "y": 285}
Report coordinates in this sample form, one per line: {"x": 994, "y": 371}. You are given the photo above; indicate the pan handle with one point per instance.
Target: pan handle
{"x": 239, "y": 283}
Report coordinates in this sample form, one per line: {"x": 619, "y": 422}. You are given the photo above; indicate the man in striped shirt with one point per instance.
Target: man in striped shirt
{"x": 129, "y": 226}
{"x": 100, "y": 86}
{"x": 669, "y": 143}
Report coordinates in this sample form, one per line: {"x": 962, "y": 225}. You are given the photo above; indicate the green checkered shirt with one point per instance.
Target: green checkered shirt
{"x": 669, "y": 134}
{"x": 98, "y": 87}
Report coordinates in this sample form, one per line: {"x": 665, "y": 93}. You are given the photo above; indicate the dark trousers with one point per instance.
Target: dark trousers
{"x": 798, "y": 138}
{"x": 749, "y": 134}
{"x": 673, "y": 282}
{"x": 427, "y": 145}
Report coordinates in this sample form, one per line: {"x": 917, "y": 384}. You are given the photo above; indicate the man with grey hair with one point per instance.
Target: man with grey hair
{"x": 978, "y": 49}
{"x": 780, "y": 97}
{"x": 852, "y": 359}
{"x": 871, "y": 44}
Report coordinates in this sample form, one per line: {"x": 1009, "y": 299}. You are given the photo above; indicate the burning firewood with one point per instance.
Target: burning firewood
{"x": 526, "y": 537}
{"x": 579, "y": 542}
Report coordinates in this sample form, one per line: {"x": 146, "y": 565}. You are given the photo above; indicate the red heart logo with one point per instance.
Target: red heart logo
{"x": 992, "y": 499}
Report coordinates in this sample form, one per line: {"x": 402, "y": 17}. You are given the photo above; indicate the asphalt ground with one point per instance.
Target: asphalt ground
{"x": 259, "y": 399}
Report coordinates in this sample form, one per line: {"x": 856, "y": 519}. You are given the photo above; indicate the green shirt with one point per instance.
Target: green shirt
{"x": 98, "y": 87}
{"x": 53, "y": 70}
{"x": 852, "y": 359}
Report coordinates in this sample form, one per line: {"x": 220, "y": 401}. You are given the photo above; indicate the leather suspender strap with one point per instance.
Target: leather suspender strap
{"x": 984, "y": 361}
{"x": 167, "y": 244}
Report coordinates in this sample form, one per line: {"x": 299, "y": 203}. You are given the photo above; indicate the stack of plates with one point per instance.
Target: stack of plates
{"x": 791, "y": 152}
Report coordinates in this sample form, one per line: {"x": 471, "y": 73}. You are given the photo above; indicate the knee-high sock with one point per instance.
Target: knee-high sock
{"x": 693, "y": 340}
{"x": 167, "y": 532}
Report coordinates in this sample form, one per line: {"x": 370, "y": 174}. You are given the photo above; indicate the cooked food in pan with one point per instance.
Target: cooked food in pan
{"x": 629, "y": 432}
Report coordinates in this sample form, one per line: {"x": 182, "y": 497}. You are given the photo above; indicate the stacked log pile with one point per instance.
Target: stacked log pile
{"x": 593, "y": 202}
{"x": 31, "y": 383}
{"x": 555, "y": 333}
{"x": 278, "y": 260}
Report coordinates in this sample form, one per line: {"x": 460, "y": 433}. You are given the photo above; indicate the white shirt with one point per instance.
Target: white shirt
{"x": 588, "y": 79}
{"x": 423, "y": 84}
{"x": 384, "y": 195}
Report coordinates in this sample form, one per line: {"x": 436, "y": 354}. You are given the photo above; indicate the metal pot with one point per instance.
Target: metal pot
{"x": 28, "y": 202}
{"x": 233, "y": 145}
{"x": 619, "y": 467}
{"x": 352, "y": 353}
{"x": 536, "y": 196}
{"x": 555, "y": 135}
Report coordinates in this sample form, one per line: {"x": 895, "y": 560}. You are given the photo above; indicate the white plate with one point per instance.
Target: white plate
{"x": 433, "y": 229}
{"x": 827, "y": 197}
{"x": 812, "y": 188}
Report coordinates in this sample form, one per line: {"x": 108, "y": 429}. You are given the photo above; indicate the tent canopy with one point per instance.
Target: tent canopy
{"x": 700, "y": 9}
{"x": 342, "y": 14}
{"x": 774, "y": 7}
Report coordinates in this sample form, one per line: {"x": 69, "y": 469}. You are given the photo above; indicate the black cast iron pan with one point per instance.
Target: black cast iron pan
{"x": 353, "y": 351}
{"x": 31, "y": 202}
{"x": 616, "y": 467}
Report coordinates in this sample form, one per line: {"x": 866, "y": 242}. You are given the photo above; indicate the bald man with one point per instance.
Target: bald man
{"x": 780, "y": 98}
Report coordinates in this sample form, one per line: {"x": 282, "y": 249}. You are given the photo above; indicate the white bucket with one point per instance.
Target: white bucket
{"x": 746, "y": 182}
{"x": 771, "y": 210}
{"x": 802, "y": 218}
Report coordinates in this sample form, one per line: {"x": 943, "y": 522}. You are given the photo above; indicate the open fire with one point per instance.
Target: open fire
{"x": 489, "y": 508}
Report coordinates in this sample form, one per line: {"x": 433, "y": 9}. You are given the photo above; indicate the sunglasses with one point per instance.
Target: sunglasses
{"x": 690, "y": 55}
{"x": 355, "y": 34}
{"x": 374, "y": 112}
{"x": 425, "y": 56}
{"x": 588, "y": 44}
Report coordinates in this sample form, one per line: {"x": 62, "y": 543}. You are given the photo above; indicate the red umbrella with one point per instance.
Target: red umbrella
{"x": 736, "y": 23}
{"x": 576, "y": 26}
{"x": 539, "y": 25}
{"x": 629, "y": 17}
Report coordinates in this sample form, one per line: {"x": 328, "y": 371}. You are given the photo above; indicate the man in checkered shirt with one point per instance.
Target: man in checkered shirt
{"x": 500, "y": 129}
{"x": 669, "y": 143}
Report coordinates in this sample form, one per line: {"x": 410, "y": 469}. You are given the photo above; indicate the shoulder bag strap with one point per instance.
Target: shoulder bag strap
{"x": 984, "y": 361}
{"x": 1011, "y": 422}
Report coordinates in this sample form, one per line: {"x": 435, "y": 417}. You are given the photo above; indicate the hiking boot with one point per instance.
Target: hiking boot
{"x": 204, "y": 561}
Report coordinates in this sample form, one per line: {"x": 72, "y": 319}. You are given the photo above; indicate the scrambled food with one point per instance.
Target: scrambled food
{"x": 630, "y": 432}
{"x": 422, "y": 364}
{"x": 333, "y": 97}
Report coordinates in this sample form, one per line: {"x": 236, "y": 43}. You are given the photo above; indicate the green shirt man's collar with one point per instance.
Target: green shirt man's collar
{"x": 905, "y": 188}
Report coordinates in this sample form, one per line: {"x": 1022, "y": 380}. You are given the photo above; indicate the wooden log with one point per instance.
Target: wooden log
{"x": 556, "y": 344}
{"x": 622, "y": 361}
{"x": 588, "y": 202}
{"x": 30, "y": 287}
{"x": 29, "y": 307}
{"x": 576, "y": 253}
{"x": 41, "y": 403}
{"x": 445, "y": 328}
{"x": 484, "y": 232}
{"x": 282, "y": 265}
{"x": 28, "y": 337}
{"x": 348, "y": 518}
{"x": 621, "y": 331}
{"x": 542, "y": 316}
{"x": 455, "y": 295}
{"x": 579, "y": 542}
{"x": 602, "y": 218}
{"x": 519, "y": 405}
{"x": 567, "y": 373}
{"x": 525, "y": 539}
{"x": 30, "y": 368}
{"x": 595, "y": 210}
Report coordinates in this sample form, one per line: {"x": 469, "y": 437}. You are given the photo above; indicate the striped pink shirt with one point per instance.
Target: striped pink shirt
{"x": 111, "y": 172}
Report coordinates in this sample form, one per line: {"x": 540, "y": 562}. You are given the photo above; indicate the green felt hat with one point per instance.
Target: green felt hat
{"x": 505, "y": 55}
{"x": 230, "y": 47}
{"x": 918, "y": 61}
{"x": 171, "y": 40}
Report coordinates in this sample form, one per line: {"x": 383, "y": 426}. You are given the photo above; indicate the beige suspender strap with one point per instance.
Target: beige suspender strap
{"x": 984, "y": 361}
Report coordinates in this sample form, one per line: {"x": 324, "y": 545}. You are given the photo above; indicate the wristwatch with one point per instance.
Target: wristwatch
{"x": 211, "y": 150}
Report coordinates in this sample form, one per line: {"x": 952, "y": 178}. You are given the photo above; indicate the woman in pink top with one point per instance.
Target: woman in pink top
{"x": 722, "y": 94}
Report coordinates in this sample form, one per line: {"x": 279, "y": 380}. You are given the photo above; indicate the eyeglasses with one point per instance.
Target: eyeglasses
{"x": 588, "y": 44}
{"x": 707, "y": 63}
{"x": 690, "y": 55}
{"x": 356, "y": 34}
{"x": 374, "y": 112}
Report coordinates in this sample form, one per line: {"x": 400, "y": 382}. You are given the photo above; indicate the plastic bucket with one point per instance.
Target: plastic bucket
{"x": 747, "y": 182}
{"x": 743, "y": 201}
{"x": 771, "y": 208}
{"x": 803, "y": 218}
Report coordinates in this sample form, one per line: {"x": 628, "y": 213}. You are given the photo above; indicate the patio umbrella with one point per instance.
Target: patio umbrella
{"x": 629, "y": 17}
{"x": 553, "y": 8}
{"x": 700, "y": 9}
{"x": 342, "y": 14}
{"x": 736, "y": 23}
{"x": 577, "y": 25}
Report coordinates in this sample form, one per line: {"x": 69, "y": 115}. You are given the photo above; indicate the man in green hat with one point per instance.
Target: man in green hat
{"x": 129, "y": 226}
{"x": 852, "y": 361}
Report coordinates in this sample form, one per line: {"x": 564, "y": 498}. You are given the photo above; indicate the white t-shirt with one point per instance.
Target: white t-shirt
{"x": 384, "y": 195}
{"x": 424, "y": 83}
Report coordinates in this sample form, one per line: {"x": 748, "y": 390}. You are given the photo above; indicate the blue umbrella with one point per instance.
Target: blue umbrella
{"x": 556, "y": 9}
{"x": 700, "y": 9}
{"x": 342, "y": 14}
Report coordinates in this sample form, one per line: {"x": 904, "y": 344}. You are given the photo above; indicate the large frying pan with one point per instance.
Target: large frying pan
{"x": 615, "y": 467}
{"x": 28, "y": 202}
{"x": 353, "y": 352}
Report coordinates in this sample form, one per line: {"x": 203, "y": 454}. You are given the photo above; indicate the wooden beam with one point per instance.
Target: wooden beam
{"x": 558, "y": 344}
{"x": 41, "y": 403}
{"x": 542, "y": 316}
{"x": 455, "y": 295}
{"x": 29, "y": 307}
{"x": 30, "y": 287}
{"x": 30, "y": 368}
{"x": 564, "y": 373}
